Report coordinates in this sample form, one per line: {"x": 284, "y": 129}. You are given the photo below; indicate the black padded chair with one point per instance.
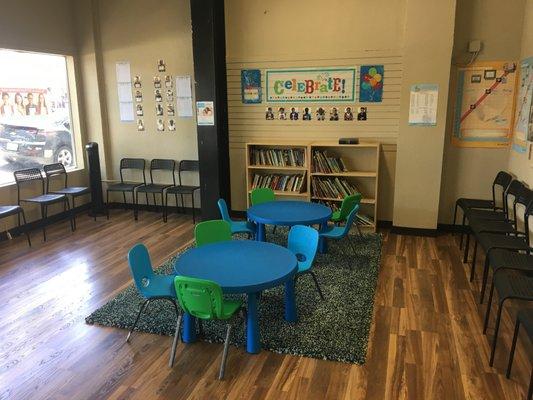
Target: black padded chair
{"x": 158, "y": 164}
{"x": 180, "y": 189}
{"x": 492, "y": 241}
{"x": 58, "y": 171}
{"x": 524, "y": 318}
{"x": 8, "y": 211}
{"x": 128, "y": 164}
{"x": 27, "y": 177}
{"x": 502, "y": 180}
{"x": 509, "y": 285}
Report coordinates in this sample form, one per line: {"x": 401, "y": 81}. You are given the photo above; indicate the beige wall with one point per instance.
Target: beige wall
{"x": 41, "y": 27}
{"x": 468, "y": 172}
{"x": 303, "y": 37}
{"x": 519, "y": 164}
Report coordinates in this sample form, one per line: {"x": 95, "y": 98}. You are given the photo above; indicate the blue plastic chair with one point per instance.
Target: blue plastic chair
{"x": 150, "y": 285}
{"x": 303, "y": 242}
{"x": 247, "y": 227}
{"x": 341, "y": 232}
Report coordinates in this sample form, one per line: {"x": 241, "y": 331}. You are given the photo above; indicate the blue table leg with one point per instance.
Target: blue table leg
{"x": 252, "y": 324}
{"x": 290, "y": 301}
{"x": 260, "y": 235}
{"x": 322, "y": 241}
{"x": 189, "y": 328}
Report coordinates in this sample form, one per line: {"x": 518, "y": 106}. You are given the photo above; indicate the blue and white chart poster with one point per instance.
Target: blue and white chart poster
{"x": 251, "y": 86}
{"x": 423, "y": 104}
{"x": 205, "y": 113}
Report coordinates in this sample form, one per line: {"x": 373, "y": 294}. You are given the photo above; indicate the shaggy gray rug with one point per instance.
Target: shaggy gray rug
{"x": 334, "y": 329}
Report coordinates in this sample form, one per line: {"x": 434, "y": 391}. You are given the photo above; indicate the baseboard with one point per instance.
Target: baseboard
{"x": 152, "y": 208}
{"x": 401, "y": 230}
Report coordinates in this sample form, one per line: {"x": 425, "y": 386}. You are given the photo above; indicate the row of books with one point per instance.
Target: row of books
{"x": 326, "y": 164}
{"x": 277, "y": 157}
{"x": 335, "y": 188}
{"x": 284, "y": 183}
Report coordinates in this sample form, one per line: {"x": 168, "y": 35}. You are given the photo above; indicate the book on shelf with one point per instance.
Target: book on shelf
{"x": 279, "y": 182}
{"x": 335, "y": 188}
{"x": 364, "y": 220}
{"x": 326, "y": 164}
{"x": 277, "y": 157}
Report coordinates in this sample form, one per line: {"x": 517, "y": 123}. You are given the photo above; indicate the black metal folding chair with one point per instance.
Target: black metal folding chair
{"x": 524, "y": 318}
{"x": 57, "y": 170}
{"x": 180, "y": 189}
{"x": 7, "y": 211}
{"x": 28, "y": 177}
{"x": 132, "y": 165}
{"x": 156, "y": 165}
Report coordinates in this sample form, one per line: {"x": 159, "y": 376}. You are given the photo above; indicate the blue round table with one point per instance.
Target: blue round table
{"x": 289, "y": 213}
{"x": 241, "y": 266}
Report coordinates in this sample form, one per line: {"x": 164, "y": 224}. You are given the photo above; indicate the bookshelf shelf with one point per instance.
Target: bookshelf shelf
{"x": 345, "y": 169}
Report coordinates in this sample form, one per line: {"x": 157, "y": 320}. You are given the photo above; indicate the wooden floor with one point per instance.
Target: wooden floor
{"x": 426, "y": 340}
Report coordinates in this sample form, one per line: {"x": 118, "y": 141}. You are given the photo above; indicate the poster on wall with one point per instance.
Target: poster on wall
{"x": 125, "y": 98}
{"x": 423, "y": 104}
{"x": 251, "y": 86}
{"x": 523, "y": 124}
{"x": 371, "y": 83}
{"x": 484, "y": 105}
{"x": 205, "y": 113}
{"x": 334, "y": 85}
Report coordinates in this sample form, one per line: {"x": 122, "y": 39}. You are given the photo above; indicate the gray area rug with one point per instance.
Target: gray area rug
{"x": 336, "y": 329}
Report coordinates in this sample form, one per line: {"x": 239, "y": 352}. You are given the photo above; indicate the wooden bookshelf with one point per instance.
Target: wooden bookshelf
{"x": 360, "y": 160}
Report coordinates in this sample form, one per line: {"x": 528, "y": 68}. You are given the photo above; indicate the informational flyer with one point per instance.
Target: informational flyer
{"x": 125, "y": 98}
{"x": 523, "y": 124}
{"x": 423, "y": 104}
{"x": 205, "y": 113}
{"x": 184, "y": 96}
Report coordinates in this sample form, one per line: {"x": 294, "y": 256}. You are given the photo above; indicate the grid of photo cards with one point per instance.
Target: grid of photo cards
{"x": 319, "y": 114}
{"x": 163, "y": 92}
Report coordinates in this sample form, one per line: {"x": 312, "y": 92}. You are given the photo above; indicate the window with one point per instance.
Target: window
{"x": 35, "y": 117}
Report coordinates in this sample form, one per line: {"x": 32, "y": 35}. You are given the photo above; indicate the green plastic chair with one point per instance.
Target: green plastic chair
{"x": 212, "y": 231}
{"x": 203, "y": 299}
{"x": 261, "y": 195}
{"x": 347, "y": 205}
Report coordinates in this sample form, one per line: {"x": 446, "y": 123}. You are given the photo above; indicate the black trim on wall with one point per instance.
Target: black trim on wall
{"x": 209, "y": 52}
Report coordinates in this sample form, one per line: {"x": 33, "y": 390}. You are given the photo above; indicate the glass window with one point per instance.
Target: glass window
{"x": 35, "y": 117}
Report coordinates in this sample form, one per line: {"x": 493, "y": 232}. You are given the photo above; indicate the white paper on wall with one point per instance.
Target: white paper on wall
{"x": 125, "y": 98}
{"x": 184, "y": 96}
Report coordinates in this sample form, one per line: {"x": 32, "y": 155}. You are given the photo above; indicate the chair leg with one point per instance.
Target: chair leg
{"x": 467, "y": 248}
{"x": 143, "y": 306}
{"x": 455, "y": 215}
{"x": 489, "y": 305}
{"x": 106, "y": 205}
{"x": 496, "y": 329}
{"x": 224, "y": 354}
{"x": 358, "y": 229}
{"x": 530, "y": 390}
{"x": 135, "y": 196}
{"x": 473, "y": 265}
{"x": 125, "y": 202}
{"x": 44, "y": 212}
{"x": 193, "y": 212}
{"x": 485, "y": 277}
{"x": 177, "y": 204}
{"x": 175, "y": 342}
{"x": 200, "y": 327}
{"x": 26, "y": 230}
{"x": 316, "y": 284}
{"x": 513, "y": 347}
{"x": 165, "y": 207}
{"x": 71, "y": 213}
{"x": 462, "y": 231}
{"x": 182, "y": 204}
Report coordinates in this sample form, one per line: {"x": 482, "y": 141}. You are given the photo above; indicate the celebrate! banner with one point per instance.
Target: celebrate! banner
{"x": 311, "y": 85}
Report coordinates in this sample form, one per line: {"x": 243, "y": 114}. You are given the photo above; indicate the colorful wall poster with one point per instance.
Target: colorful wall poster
{"x": 484, "y": 105}
{"x": 205, "y": 113}
{"x": 523, "y": 126}
{"x": 423, "y": 102}
{"x": 251, "y": 86}
{"x": 311, "y": 85}
{"x": 371, "y": 83}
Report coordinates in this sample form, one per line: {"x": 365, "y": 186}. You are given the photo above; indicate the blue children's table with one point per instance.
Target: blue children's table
{"x": 289, "y": 213}
{"x": 241, "y": 266}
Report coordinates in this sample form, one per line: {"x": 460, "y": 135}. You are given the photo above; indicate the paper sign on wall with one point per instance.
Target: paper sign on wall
{"x": 184, "y": 96}
{"x": 523, "y": 123}
{"x": 125, "y": 98}
{"x": 423, "y": 104}
{"x": 205, "y": 113}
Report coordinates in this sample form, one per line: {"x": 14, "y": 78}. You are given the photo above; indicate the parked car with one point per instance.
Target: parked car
{"x": 37, "y": 142}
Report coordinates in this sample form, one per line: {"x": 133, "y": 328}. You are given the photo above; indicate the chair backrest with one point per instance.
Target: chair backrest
{"x": 502, "y": 179}
{"x": 514, "y": 189}
{"x": 224, "y": 213}
{"x": 141, "y": 268}
{"x": 28, "y": 176}
{"x": 348, "y": 203}
{"x": 138, "y": 164}
{"x": 162, "y": 164}
{"x": 199, "y": 297}
{"x": 261, "y": 195}
{"x": 187, "y": 166}
{"x": 53, "y": 170}
{"x": 303, "y": 242}
{"x": 213, "y": 231}
{"x": 350, "y": 220}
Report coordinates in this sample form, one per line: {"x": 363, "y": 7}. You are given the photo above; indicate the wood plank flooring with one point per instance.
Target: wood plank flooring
{"x": 426, "y": 340}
